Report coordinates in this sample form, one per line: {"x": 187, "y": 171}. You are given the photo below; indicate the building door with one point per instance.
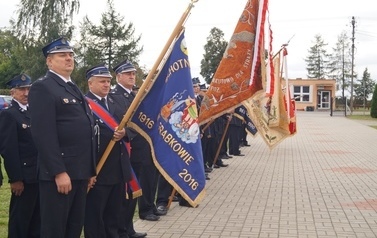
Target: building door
{"x": 324, "y": 100}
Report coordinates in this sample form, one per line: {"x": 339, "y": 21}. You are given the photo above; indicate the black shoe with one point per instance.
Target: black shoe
{"x": 239, "y": 154}
{"x": 207, "y": 178}
{"x": 208, "y": 170}
{"x": 246, "y": 144}
{"x": 223, "y": 157}
{"x": 138, "y": 235}
{"x": 216, "y": 166}
{"x": 175, "y": 199}
{"x": 161, "y": 210}
{"x": 223, "y": 165}
{"x": 150, "y": 217}
{"x": 228, "y": 156}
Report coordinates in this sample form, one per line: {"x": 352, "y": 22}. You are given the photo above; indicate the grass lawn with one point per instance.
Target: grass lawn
{"x": 361, "y": 117}
{"x": 4, "y": 204}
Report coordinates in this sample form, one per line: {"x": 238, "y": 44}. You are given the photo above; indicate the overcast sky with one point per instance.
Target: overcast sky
{"x": 298, "y": 20}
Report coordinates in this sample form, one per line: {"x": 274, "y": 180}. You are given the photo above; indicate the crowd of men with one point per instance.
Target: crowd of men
{"x": 54, "y": 142}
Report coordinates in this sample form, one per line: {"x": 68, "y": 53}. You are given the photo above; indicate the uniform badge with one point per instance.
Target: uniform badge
{"x": 65, "y": 100}
{"x": 24, "y": 126}
{"x": 23, "y": 78}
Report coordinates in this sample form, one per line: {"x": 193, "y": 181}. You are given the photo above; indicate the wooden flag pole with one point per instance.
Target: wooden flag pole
{"x": 220, "y": 144}
{"x": 171, "y": 198}
{"x": 151, "y": 75}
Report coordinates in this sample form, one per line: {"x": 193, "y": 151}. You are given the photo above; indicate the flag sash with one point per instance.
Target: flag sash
{"x": 132, "y": 186}
{"x": 243, "y": 114}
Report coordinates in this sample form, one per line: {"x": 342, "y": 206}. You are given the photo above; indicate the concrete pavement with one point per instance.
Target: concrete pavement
{"x": 321, "y": 182}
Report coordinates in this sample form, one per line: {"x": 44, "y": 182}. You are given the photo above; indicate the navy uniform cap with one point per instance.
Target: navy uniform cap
{"x": 57, "y": 46}
{"x": 203, "y": 87}
{"x": 98, "y": 71}
{"x": 123, "y": 67}
{"x": 19, "y": 81}
{"x": 195, "y": 81}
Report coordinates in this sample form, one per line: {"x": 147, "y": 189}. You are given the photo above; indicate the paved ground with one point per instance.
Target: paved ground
{"x": 322, "y": 182}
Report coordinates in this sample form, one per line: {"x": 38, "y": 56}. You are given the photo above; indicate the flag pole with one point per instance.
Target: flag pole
{"x": 220, "y": 144}
{"x": 135, "y": 103}
{"x": 171, "y": 198}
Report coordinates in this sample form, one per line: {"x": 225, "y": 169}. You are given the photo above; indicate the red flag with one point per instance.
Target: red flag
{"x": 237, "y": 77}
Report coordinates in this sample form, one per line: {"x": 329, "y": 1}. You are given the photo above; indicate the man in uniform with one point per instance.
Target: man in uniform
{"x": 141, "y": 159}
{"x": 62, "y": 127}
{"x": 20, "y": 161}
{"x": 105, "y": 198}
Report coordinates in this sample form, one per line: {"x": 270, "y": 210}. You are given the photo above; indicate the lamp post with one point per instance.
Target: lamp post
{"x": 352, "y": 63}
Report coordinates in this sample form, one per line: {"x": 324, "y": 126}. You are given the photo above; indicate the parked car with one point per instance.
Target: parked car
{"x": 5, "y": 101}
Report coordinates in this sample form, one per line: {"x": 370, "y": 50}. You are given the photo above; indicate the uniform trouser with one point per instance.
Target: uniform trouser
{"x": 126, "y": 226}
{"x": 234, "y": 139}
{"x": 103, "y": 211}
{"x": 62, "y": 216}
{"x": 126, "y": 219}
{"x": 24, "y": 214}
{"x": 148, "y": 183}
{"x": 164, "y": 191}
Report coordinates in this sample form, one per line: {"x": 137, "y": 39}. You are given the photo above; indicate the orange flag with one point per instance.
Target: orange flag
{"x": 237, "y": 77}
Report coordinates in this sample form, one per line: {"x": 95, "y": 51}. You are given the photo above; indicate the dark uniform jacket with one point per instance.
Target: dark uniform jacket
{"x": 17, "y": 146}
{"x": 117, "y": 167}
{"x": 62, "y": 127}
{"x": 140, "y": 148}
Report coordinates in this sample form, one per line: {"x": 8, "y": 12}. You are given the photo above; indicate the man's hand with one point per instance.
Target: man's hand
{"x": 17, "y": 188}
{"x": 92, "y": 181}
{"x": 63, "y": 183}
{"x": 118, "y": 135}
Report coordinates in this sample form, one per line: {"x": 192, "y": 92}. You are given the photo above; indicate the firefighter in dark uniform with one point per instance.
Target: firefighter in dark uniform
{"x": 141, "y": 160}
{"x": 62, "y": 127}
{"x": 20, "y": 161}
{"x": 105, "y": 198}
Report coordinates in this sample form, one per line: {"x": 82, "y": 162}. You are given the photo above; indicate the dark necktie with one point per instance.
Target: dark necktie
{"x": 103, "y": 103}
{"x": 132, "y": 94}
{"x": 74, "y": 87}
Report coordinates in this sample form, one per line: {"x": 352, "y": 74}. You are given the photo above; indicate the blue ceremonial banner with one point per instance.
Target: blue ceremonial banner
{"x": 168, "y": 118}
{"x": 244, "y": 115}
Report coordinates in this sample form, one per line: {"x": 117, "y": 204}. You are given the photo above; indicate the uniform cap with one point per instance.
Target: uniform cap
{"x": 195, "y": 81}
{"x": 19, "y": 81}
{"x": 57, "y": 46}
{"x": 98, "y": 71}
{"x": 123, "y": 67}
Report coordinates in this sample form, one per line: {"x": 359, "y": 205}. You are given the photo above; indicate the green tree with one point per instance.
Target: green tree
{"x": 364, "y": 87}
{"x": 8, "y": 63}
{"x": 46, "y": 20}
{"x": 373, "y": 105}
{"x": 341, "y": 62}
{"x": 214, "y": 50}
{"x": 318, "y": 59}
{"x": 40, "y": 22}
{"x": 111, "y": 42}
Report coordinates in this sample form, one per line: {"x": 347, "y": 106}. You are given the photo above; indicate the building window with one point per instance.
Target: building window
{"x": 301, "y": 93}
